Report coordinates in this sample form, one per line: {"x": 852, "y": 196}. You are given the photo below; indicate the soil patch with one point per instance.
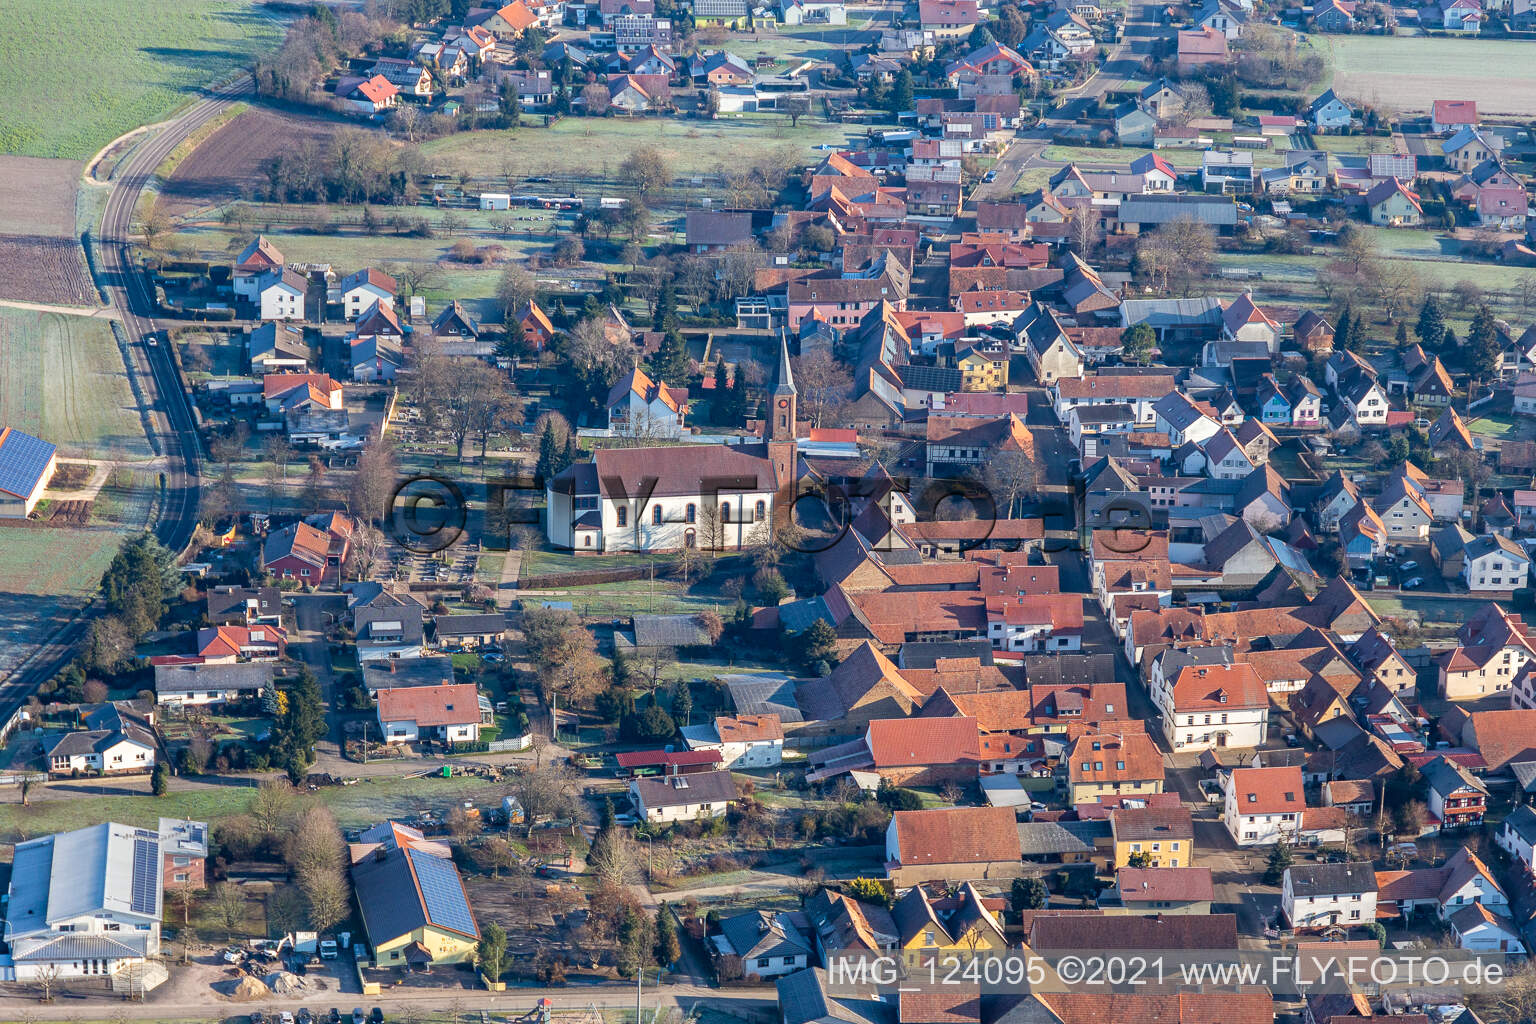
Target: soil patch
{"x": 38, "y": 196}
{"x": 232, "y": 163}
{"x": 34, "y": 268}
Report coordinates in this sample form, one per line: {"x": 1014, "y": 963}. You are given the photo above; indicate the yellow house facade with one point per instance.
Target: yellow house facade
{"x": 414, "y": 906}
{"x": 957, "y": 926}
{"x": 982, "y": 372}
{"x": 1163, "y": 837}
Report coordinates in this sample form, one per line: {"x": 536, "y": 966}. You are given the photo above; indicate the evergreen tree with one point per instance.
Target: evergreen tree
{"x": 1402, "y": 334}
{"x": 668, "y": 949}
{"x": 1344, "y": 331}
{"x": 740, "y": 405}
{"x": 607, "y": 820}
{"x": 138, "y": 584}
{"x": 550, "y": 453}
{"x": 1279, "y": 860}
{"x": 1448, "y": 340}
{"x": 1431, "y": 325}
{"x": 572, "y": 453}
{"x": 818, "y": 643}
{"x": 1028, "y": 894}
{"x": 902, "y": 96}
{"x": 671, "y": 363}
{"x": 618, "y": 668}
{"x": 665, "y": 316}
{"x": 1483, "y": 345}
{"x": 1137, "y": 343}
{"x": 682, "y": 704}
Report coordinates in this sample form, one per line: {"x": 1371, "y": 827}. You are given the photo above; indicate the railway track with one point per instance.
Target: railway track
{"x": 171, "y": 406}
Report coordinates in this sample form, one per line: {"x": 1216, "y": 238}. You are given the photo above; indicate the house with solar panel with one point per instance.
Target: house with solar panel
{"x": 86, "y": 904}
{"x": 26, "y": 465}
{"x": 413, "y": 902}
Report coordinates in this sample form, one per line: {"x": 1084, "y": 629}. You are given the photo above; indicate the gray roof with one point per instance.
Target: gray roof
{"x": 759, "y": 933}
{"x": 764, "y": 694}
{"x": 925, "y": 654}
{"x": 929, "y": 378}
{"x": 1039, "y": 838}
{"x": 803, "y": 999}
{"x": 1308, "y": 880}
{"x": 402, "y": 889}
{"x": 1170, "y": 312}
{"x": 1522, "y": 821}
{"x": 1069, "y": 669}
{"x": 80, "y": 946}
{"x": 106, "y": 868}
{"x": 250, "y": 675}
{"x": 1446, "y": 777}
{"x": 1214, "y": 211}
{"x": 470, "y": 625}
{"x": 227, "y": 604}
{"x": 402, "y": 672}
{"x": 387, "y": 619}
{"x": 669, "y": 631}
{"x": 679, "y": 790}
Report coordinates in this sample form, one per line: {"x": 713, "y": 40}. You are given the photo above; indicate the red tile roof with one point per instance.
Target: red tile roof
{"x": 957, "y": 835}
{"x": 456, "y": 704}
{"x": 1105, "y": 753}
{"x": 1173, "y": 884}
{"x": 1268, "y": 790}
{"x": 904, "y": 742}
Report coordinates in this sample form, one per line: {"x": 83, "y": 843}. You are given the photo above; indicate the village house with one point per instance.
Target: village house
{"x": 952, "y": 843}
{"x": 1208, "y": 706}
{"x": 683, "y": 797}
{"x": 1317, "y": 896}
{"x": 1263, "y": 806}
{"x": 1113, "y": 764}
{"x": 449, "y": 714}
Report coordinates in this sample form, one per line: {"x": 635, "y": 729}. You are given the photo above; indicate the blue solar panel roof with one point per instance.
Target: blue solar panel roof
{"x": 442, "y": 892}
{"x": 22, "y": 461}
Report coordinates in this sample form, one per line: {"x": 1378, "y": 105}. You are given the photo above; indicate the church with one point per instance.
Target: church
{"x": 718, "y": 497}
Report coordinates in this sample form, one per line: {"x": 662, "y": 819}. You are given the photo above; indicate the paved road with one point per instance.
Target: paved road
{"x": 513, "y": 1004}
{"x": 1122, "y": 65}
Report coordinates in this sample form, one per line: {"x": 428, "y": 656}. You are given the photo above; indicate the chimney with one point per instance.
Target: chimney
{"x": 391, "y": 666}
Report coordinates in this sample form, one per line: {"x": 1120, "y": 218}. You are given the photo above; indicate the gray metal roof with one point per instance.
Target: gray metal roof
{"x": 1038, "y": 838}
{"x": 1153, "y": 209}
{"x": 99, "y": 869}
{"x": 803, "y": 999}
{"x": 470, "y": 625}
{"x": 669, "y": 631}
{"x": 764, "y": 695}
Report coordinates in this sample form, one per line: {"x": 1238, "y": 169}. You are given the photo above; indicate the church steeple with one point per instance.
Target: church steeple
{"x": 781, "y": 417}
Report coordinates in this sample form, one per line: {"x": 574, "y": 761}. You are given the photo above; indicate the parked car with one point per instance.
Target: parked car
{"x": 327, "y": 949}
{"x": 285, "y": 1017}
{"x": 376, "y": 1017}
{"x": 334, "y": 1017}
{"x": 358, "y": 1016}
{"x": 305, "y": 1017}
{"x": 1408, "y": 567}
{"x": 1413, "y": 583}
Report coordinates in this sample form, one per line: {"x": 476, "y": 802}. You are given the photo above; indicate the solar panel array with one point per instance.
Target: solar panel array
{"x": 146, "y": 873}
{"x": 442, "y": 892}
{"x": 22, "y": 460}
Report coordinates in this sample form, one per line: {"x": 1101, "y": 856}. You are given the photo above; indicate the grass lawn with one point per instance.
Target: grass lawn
{"x": 544, "y": 563}
{"x": 694, "y": 147}
{"x": 62, "y": 379}
{"x": 372, "y": 800}
{"x": 1410, "y": 72}
{"x": 1430, "y": 611}
{"x": 1505, "y": 428}
{"x": 123, "y": 65}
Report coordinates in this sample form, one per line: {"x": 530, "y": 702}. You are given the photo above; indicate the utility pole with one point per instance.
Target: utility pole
{"x": 639, "y": 975}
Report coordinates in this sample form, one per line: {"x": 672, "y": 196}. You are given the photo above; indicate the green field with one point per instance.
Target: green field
{"x": 1409, "y": 73}
{"x": 62, "y": 379}
{"x": 82, "y": 72}
{"x": 370, "y": 801}
{"x": 599, "y": 145}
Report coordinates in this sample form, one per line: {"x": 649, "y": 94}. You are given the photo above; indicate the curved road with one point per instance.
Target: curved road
{"x": 170, "y": 405}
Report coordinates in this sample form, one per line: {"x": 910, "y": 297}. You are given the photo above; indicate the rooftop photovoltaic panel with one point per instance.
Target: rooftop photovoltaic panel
{"x": 442, "y": 892}
{"x": 146, "y": 875}
{"x": 22, "y": 460}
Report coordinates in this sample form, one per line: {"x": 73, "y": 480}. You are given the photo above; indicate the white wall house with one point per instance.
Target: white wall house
{"x": 84, "y": 904}
{"x": 652, "y": 499}
{"x": 1207, "y": 706}
{"x": 1264, "y": 805}
{"x": 447, "y": 713}
{"x": 744, "y": 741}
{"x": 1517, "y": 836}
{"x": 280, "y": 294}
{"x": 683, "y": 797}
{"x": 1322, "y": 895}
{"x": 641, "y": 407}
{"x": 363, "y": 289}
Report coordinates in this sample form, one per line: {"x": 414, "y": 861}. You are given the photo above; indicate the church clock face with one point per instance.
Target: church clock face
{"x": 783, "y": 403}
